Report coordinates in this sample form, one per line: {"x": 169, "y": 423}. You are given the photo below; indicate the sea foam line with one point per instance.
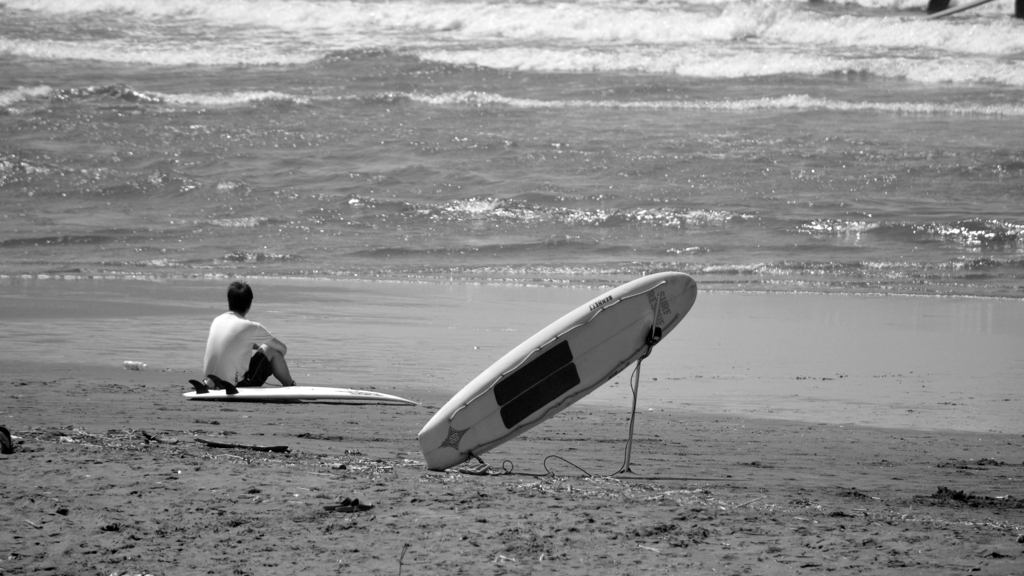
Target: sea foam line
{"x": 730, "y": 61}
{"x": 156, "y": 53}
{"x": 21, "y": 93}
{"x": 233, "y": 98}
{"x": 580, "y": 23}
{"x": 790, "y": 102}
{"x": 10, "y": 98}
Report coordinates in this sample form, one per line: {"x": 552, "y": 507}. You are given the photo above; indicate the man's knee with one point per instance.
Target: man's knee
{"x": 271, "y": 353}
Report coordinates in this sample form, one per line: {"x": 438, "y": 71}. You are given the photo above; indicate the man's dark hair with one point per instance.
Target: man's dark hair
{"x": 239, "y": 297}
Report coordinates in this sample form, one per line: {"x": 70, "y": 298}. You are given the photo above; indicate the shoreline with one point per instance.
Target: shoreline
{"x": 607, "y": 282}
{"x": 920, "y": 363}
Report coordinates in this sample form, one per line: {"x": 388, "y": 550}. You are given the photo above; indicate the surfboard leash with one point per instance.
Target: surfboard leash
{"x": 634, "y": 384}
{"x": 507, "y": 466}
{"x": 550, "y": 473}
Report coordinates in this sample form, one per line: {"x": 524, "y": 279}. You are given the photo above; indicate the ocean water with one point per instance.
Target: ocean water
{"x": 850, "y": 146}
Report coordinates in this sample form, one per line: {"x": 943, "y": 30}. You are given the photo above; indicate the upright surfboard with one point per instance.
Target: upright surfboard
{"x": 299, "y": 393}
{"x": 556, "y": 367}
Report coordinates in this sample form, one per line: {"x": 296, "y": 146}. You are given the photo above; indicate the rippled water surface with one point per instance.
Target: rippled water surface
{"x": 788, "y": 146}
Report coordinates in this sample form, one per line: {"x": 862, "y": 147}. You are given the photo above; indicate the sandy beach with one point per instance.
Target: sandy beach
{"x": 415, "y": 188}
{"x": 776, "y": 434}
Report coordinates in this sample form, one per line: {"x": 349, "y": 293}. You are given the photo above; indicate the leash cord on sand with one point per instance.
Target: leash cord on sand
{"x": 550, "y": 473}
{"x": 507, "y": 466}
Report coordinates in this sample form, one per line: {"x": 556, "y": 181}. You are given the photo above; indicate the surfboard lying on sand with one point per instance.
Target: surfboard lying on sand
{"x": 297, "y": 393}
{"x": 556, "y": 367}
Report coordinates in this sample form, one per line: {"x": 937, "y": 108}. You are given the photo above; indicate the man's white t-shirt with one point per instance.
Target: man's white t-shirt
{"x": 230, "y": 344}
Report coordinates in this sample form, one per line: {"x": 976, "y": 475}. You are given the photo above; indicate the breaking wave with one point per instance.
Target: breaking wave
{"x": 718, "y": 39}
{"x": 790, "y": 102}
{"x": 969, "y": 233}
{"x": 129, "y": 94}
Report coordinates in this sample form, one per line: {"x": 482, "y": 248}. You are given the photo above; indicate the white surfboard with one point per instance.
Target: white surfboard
{"x": 556, "y": 367}
{"x": 297, "y": 393}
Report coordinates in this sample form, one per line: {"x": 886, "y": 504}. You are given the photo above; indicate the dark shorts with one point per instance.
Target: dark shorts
{"x": 258, "y": 372}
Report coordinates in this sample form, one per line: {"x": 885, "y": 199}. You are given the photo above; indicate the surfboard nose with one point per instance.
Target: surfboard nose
{"x": 681, "y": 292}
{"x": 688, "y": 292}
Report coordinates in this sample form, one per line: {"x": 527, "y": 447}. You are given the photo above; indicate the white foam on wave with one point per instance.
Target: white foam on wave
{"x": 606, "y": 21}
{"x": 837, "y": 227}
{"x": 699, "y": 38}
{"x": 408, "y": 23}
{"x": 917, "y": 35}
{"x": 228, "y": 11}
{"x": 232, "y": 99}
{"x": 731, "y": 62}
{"x": 716, "y": 63}
{"x": 303, "y": 18}
{"x": 511, "y": 19}
{"x": 475, "y": 206}
{"x": 20, "y": 94}
{"x": 241, "y": 222}
{"x": 790, "y": 102}
{"x": 160, "y": 54}
{"x": 10, "y": 98}
{"x": 992, "y": 8}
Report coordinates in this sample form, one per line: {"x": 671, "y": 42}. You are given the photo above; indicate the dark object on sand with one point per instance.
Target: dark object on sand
{"x": 349, "y": 505}
{"x": 245, "y": 446}
{"x": 6, "y": 443}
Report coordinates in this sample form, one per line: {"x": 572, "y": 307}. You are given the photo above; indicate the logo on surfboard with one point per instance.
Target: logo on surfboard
{"x": 454, "y": 436}
{"x": 660, "y": 307}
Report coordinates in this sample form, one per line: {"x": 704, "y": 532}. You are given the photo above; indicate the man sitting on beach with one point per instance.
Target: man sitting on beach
{"x": 240, "y": 352}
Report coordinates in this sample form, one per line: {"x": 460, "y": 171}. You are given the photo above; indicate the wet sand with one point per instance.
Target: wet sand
{"x": 757, "y": 449}
{"x": 922, "y": 363}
